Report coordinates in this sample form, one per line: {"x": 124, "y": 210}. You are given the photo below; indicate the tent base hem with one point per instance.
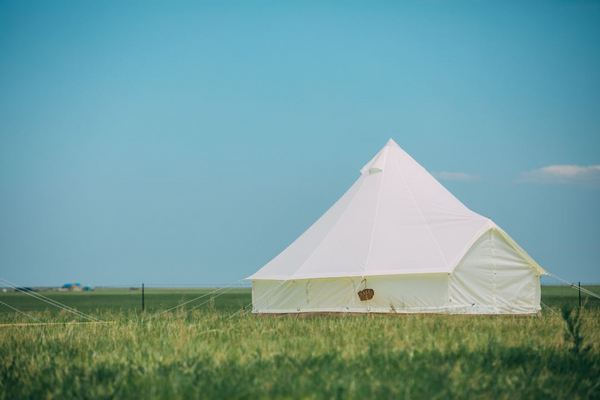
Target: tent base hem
{"x": 387, "y": 311}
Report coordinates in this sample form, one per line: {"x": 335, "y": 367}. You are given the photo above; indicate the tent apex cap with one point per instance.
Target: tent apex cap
{"x": 391, "y": 142}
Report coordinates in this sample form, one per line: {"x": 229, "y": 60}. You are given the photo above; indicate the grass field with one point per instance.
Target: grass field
{"x": 215, "y": 351}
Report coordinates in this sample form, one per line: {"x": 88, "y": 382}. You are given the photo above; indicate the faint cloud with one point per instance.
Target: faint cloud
{"x": 564, "y": 174}
{"x": 456, "y": 176}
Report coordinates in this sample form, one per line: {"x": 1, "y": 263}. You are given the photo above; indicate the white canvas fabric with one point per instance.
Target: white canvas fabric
{"x": 399, "y": 231}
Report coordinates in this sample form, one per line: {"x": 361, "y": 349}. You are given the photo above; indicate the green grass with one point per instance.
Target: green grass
{"x": 211, "y": 352}
{"x": 116, "y": 300}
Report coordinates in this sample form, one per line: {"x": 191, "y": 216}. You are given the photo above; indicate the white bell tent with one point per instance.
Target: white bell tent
{"x": 398, "y": 242}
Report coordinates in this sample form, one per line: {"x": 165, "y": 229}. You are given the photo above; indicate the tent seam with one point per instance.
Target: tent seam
{"x": 376, "y": 214}
{"x": 520, "y": 251}
{"x": 494, "y": 268}
{"x": 471, "y": 243}
{"x": 412, "y": 196}
{"x": 312, "y": 253}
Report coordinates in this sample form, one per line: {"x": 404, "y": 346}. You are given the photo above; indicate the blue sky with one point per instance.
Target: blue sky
{"x": 190, "y": 142}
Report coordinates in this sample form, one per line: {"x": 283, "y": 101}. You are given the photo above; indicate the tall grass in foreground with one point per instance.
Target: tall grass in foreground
{"x": 209, "y": 354}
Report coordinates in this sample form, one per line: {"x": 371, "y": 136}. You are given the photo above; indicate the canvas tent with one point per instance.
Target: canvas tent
{"x": 398, "y": 242}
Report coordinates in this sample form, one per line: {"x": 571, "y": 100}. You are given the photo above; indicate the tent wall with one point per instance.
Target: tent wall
{"x": 494, "y": 279}
{"x": 399, "y": 293}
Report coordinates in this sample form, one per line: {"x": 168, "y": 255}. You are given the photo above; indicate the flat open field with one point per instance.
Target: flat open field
{"x": 217, "y": 351}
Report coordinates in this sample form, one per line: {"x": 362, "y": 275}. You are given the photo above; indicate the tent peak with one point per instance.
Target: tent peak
{"x": 391, "y": 142}
{"x": 377, "y": 162}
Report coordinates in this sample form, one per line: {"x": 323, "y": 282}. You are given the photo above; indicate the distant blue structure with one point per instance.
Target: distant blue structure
{"x": 72, "y": 287}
